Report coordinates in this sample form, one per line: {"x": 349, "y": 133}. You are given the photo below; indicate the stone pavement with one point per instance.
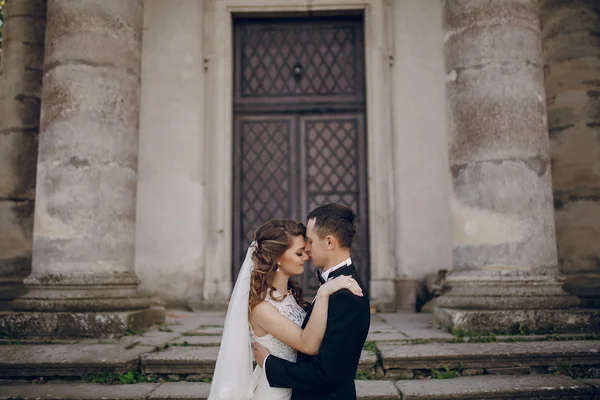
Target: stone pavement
{"x": 406, "y": 354}
{"x": 465, "y": 388}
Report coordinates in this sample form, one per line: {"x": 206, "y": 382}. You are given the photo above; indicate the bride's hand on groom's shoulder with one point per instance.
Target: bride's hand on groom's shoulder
{"x": 339, "y": 283}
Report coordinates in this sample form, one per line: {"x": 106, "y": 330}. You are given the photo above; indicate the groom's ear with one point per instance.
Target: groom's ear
{"x": 331, "y": 242}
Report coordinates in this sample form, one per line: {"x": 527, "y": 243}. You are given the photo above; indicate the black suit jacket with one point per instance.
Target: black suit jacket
{"x": 330, "y": 374}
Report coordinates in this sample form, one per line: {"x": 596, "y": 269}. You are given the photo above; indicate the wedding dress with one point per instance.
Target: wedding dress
{"x": 291, "y": 310}
{"x": 233, "y": 378}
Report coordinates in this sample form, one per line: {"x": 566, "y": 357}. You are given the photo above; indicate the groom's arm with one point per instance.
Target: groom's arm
{"x": 335, "y": 357}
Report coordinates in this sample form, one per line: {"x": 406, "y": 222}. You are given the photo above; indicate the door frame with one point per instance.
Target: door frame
{"x": 218, "y": 64}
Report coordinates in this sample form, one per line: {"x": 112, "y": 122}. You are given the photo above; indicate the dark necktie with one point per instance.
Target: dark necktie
{"x": 320, "y": 277}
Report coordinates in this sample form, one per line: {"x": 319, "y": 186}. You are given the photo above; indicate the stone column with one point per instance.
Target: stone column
{"x": 83, "y": 281}
{"x": 20, "y": 92}
{"x": 571, "y": 50}
{"x": 505, "y": 264}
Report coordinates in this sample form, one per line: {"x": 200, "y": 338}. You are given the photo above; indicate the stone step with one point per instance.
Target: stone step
{"x": 69, "y": 360}
{"x": 366, "y": 390}
{"x": 466, "y": 388}
{"x": 490, "y": 387}
{"x": 201, "y": 361}
{"x": 395, "y": 361}
{"x": 409, "y": 361}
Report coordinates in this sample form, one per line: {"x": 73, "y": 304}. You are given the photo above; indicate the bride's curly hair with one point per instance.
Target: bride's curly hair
{"x": 272, "y": 240}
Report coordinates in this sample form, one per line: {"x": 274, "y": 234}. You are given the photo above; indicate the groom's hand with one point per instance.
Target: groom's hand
{"x": 260, "y": 353}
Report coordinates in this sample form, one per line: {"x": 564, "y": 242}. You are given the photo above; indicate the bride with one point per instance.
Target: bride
{"x": 268, "y": 307}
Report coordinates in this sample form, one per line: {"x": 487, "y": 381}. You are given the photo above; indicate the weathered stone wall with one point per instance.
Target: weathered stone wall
{"x": 20, "y": 92}
{"x": 170, "y": 205}
{"x": 571, "y": 49}
{"x": 423, "y": 224}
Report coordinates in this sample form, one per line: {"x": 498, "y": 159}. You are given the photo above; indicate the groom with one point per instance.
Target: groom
{"x": 330, "y": 374}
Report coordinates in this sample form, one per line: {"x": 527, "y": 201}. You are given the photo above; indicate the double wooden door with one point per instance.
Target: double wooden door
{"x": 299, "y": 126}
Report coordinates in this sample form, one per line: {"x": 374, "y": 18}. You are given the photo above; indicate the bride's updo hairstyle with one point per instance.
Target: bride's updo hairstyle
{"x": 272, "y": 240}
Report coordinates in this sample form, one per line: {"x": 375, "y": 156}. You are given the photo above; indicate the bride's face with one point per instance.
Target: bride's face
{"x": 292, "y": 261}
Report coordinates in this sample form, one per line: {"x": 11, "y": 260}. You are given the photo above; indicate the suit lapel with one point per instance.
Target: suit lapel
{"x": 347, "y": 270}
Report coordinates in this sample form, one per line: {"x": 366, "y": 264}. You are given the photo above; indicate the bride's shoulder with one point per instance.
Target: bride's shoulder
{"x": 262, "y": 308}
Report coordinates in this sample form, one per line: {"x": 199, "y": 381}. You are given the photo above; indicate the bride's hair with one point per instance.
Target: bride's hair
{"x": 272, "y": 240}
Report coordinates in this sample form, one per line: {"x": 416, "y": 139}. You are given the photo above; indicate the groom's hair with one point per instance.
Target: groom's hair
{"x": 336, "y": 220}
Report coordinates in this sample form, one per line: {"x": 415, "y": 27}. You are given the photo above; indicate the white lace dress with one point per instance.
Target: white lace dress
{"x": 290, "y": 309}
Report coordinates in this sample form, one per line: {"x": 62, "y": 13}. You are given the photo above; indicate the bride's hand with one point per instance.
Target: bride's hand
{"x": 339, "y": 283}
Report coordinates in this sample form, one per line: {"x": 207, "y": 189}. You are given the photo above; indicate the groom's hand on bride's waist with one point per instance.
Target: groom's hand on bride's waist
{"x": 260, "y": 354}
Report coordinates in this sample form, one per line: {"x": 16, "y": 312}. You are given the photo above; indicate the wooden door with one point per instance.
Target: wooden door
{"x": 299, "y": 126}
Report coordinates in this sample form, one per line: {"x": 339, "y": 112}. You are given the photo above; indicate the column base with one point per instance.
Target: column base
{"x": 519, "y": 300}
{"x": 519, "y": 321}
{"x": 102, "y": 324}
{"x": 81, "y": 293}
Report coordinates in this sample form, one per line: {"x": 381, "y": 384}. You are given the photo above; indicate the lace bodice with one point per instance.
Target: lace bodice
{"x": 291, "y": 310}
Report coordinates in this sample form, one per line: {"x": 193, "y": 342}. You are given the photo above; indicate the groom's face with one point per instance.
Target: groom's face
{"x": 316, "y": 247}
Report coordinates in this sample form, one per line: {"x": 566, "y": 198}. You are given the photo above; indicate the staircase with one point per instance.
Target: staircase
{"x": 405, "y": 357}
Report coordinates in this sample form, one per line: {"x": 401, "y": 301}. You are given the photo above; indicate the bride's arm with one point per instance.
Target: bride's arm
{"x": 307, "y": 341}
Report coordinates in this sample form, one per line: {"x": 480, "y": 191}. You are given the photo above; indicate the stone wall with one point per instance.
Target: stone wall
{"x": 423, "y": 223}
{"x": 170, "y": 207}
{"x": 20, "y": 92}
{"x": 571, "y": 49}
{"x": 421, "y": 169}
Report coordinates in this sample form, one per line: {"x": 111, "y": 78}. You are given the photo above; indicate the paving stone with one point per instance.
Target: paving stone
{"x": 194, "y": 360}
{"x": 592, "y": 382}
{"x": 155, "y": 339}
{"x": 379, "y": 325}
{"x": 197, "y": 340}
{"x": 77, "y": 391}
{"x": 376, "y": 390}
{"x": 367, "y": 359}
{"x": 397, "y": 374}
{"x": 416, "y": 325}
{"x": 68, "y": 360}
{"x": 393, "y": 335}
{"x": 548, "y": 387}
{"x": 205, "y": 331}
{"x": 489, "y": 355}
{"x": 366, "y": 390}
{"x": 509, "y": 371}
{"x": 194, "y": 378}
{"x": 184, "y": 321}
{"x": 534, "y": 338}
{"x": 533, "y": 387}
{"x": 181, "y": 390}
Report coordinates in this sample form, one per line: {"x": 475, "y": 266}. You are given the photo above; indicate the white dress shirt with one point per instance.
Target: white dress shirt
{"x": 326, "y": 274}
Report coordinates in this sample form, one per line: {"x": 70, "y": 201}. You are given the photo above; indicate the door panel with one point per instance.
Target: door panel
{"x": 334, "y": 171}
{"x": 299, "y": 60}
{"x": 266, "y": 186}
{"x": 299, "y": 126}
